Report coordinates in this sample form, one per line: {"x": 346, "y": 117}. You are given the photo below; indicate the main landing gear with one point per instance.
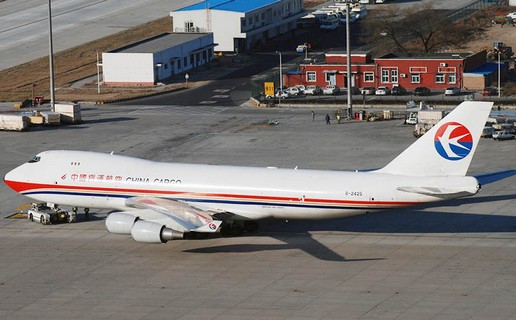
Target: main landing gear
{"x": 238, "y": 228}
{"x": 86, "y": 212}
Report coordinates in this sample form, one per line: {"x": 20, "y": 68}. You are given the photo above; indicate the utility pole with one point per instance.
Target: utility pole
{"x": 280, "y": 77}
{"x": 348, "y": 62}
{"x": 51, "y": 56}
{"x": 499, "y": 75}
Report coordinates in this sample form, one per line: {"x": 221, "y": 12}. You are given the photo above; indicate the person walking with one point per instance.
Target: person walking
{"x": 327, "y": 119}
{"x": 313, "y": 116}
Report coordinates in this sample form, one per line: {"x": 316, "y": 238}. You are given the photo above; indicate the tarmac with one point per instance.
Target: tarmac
{"x": 451, "y": 260}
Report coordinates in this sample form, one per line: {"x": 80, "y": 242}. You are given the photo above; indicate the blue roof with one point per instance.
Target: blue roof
{"x": 485, "y": 69}
{"x": 230, "y": 5}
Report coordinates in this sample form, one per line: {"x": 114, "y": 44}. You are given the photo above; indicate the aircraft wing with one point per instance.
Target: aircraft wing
{"x": 176, "y": 213}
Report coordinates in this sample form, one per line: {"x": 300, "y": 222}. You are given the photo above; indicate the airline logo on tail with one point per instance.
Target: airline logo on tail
{"x": 453, "y": 141}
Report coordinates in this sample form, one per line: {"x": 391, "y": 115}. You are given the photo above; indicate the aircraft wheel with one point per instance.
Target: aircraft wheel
{"x": 237, "y": 230}
{"x": 225, "y": 230}
{"x": 250, "y": 226}
{"x": 232, "y": 230}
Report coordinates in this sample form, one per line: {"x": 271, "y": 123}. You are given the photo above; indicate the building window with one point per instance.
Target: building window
{"x": 385, "y": 75}
{"x": 331, "y": 78}
{"x": 189, "y": 26}
{"x": 178, "y": 64}
{"x": 191, "y": 59}
{"x": 368, "y": 77}
{"x": 439, "y": 78}
{"x": 452, "y": 78}
{"x": 415, "y": 78}
{"x": 394, "y": 75}
{"x": 311, "y": 76}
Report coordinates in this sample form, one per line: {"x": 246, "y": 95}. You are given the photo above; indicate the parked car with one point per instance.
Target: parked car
{"x": 398, "y": 90}
{"x": 489, "y": 91}
{"x": 312, "y": 90}
{"x": 512, "y": 15}
{"x": 282, "y": 94}
{"x": 329, "y": 24}
{"x": 487, "y": 132}
{"x": 421, "y": 91}
{"x": 382, "y": 91}
{"x": 301, "y": 88}
{"x": 331, "y": 89}
{"x": 452, "y": 91}
{"x": 293, "y": 91}
{"x": 352, "y": 17}
{"x": 503, "y": 135}
{"x": 367, "y": 90}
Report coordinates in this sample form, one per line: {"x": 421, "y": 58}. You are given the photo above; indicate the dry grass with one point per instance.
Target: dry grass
{"x": 71, "y": 65}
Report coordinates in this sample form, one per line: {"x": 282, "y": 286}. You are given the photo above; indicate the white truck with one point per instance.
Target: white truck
{"x": 47, "y": 213}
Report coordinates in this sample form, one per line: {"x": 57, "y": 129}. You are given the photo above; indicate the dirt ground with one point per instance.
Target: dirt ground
{"x": 32, "y": 78}
{"x": 494, "y": 33}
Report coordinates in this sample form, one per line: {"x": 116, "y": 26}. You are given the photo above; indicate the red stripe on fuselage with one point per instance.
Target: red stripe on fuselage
{"x": 23, "y": 187}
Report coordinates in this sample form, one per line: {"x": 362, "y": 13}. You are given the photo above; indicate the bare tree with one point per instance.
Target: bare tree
{"x": 420, "y": 29}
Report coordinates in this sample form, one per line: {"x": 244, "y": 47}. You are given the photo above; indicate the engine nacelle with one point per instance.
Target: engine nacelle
{"x": 151, "y": 232}
{"x": 120, "y": 222}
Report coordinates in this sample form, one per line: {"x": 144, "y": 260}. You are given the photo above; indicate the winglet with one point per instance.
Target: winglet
{"x": 447, "y": 149}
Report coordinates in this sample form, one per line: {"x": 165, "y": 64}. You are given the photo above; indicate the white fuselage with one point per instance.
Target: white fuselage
{"x": 96, "y": 180}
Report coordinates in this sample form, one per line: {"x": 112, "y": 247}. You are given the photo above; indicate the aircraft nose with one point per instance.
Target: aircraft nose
{"x": 12, "y": 179}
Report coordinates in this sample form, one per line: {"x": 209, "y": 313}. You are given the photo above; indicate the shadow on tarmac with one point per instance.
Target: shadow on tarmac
{"x": 297, "y": 234}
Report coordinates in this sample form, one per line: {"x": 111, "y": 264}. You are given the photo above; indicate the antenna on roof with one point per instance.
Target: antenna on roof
{"x": 208, "y": 15}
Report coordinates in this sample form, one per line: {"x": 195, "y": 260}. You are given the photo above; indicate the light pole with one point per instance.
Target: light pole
{"x": 51, "y": 56}
{"x": 499, "y": 76}
{"x": 280, "y": 77}
{"x": 348, "y": 63}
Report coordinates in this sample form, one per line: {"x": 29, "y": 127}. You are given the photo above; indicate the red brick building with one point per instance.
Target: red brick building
{"x": 436, "y": 71}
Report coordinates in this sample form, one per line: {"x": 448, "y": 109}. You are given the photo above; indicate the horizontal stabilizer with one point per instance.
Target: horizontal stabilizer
{"x": 437, "y": 192}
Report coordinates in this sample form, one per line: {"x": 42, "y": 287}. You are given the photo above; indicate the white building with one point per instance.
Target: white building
{"x": 238, "y": 25}
{"x": 152, "y": 60}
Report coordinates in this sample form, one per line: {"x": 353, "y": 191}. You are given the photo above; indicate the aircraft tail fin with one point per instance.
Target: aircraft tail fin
{"x": 447, "y": 149}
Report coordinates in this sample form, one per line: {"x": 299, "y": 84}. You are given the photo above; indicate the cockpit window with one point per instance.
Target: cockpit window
{"x": 35, "y": 159}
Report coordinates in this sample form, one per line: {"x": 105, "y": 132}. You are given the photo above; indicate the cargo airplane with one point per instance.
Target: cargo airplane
{"x": 156, "y": 202}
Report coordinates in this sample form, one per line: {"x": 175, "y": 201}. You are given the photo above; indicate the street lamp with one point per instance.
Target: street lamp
{"x": 280, "y": 71}
{"x": 280, "y": 77}
{"x": 348, "y": 62}
{"x": 499, "y": 76}
{"x": 51, "y": 56}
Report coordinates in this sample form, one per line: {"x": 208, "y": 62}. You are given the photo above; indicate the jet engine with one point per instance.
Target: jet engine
{"x": 151, "y": 232}
{"x": 120, "y": 222}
